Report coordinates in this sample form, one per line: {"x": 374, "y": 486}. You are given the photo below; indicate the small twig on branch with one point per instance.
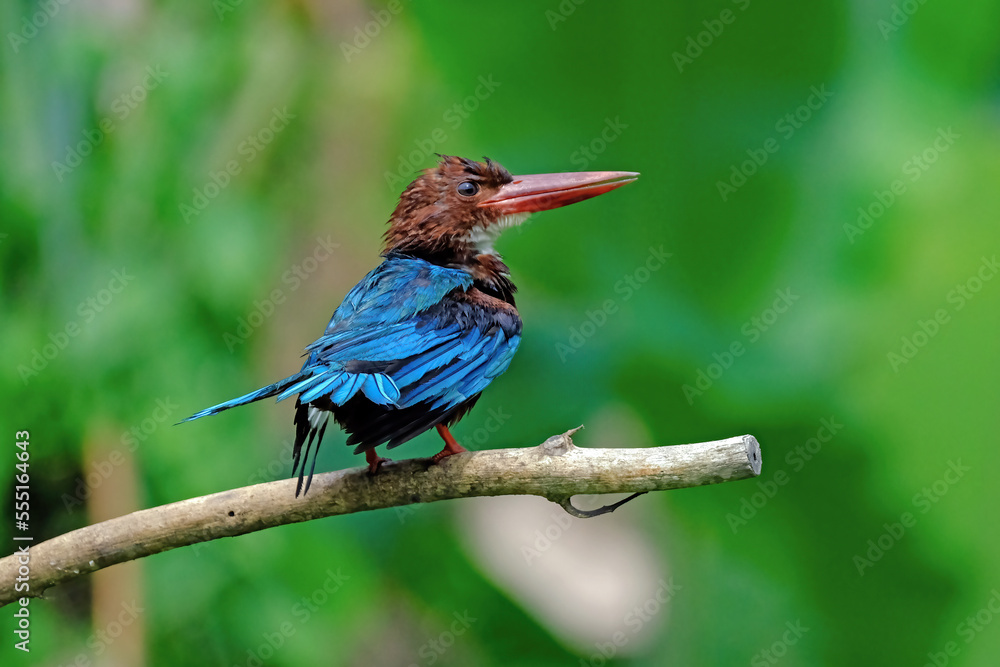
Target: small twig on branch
{"x": 556, "y": 469}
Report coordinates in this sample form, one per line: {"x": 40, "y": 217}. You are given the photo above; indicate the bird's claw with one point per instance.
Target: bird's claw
{"x": 375, "y": 462}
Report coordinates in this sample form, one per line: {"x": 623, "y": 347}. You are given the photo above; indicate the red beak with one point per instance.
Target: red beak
{"x": 541, "y": 192}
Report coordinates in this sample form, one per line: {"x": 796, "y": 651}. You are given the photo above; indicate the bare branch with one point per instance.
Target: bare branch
{"x": 556, "y": 469}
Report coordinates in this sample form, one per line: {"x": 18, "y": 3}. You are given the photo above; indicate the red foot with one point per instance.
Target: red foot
{"x": 374, "y": 461}
{"x": 450, "y": 445}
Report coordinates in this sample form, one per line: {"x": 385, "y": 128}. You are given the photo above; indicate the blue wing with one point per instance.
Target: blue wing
{"x": 407, "y": 335}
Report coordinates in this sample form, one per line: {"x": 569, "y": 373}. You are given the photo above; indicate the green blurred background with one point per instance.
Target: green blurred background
{"x": 824, "y": 179}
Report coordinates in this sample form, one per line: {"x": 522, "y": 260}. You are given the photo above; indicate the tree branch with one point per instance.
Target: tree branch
{"x": 556, "y": 470}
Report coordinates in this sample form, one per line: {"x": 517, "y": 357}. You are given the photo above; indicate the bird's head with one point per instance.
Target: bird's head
{"x": 456, "y": 210}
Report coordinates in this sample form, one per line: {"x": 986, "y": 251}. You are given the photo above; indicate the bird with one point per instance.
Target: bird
{"x": 414, "y": 344}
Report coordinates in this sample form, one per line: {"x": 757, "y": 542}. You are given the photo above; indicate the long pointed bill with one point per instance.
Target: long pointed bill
{"x": 541, "y": 192}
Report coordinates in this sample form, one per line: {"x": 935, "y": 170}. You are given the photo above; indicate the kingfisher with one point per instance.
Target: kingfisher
{"x": 415, "y": 343}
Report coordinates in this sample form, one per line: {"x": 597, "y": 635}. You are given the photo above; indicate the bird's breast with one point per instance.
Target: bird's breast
{"x": 491, "y": 278}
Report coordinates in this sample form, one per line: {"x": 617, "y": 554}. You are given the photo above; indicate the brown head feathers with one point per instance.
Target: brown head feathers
{"x": 438, "y": 217}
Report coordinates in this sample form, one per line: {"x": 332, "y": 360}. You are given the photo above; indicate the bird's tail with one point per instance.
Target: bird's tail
{"x": 265, "y": 392}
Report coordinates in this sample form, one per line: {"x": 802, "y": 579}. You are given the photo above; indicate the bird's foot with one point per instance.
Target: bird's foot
{"x": 374, "y": 461}
{"x": 451, "y": 445}
{"x": 446, "y": 452}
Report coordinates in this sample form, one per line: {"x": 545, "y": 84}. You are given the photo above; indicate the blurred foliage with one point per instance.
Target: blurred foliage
{"x": 211, "y": 155}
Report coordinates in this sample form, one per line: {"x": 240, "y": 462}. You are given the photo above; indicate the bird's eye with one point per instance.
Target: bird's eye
{"x": 468, "y": 188}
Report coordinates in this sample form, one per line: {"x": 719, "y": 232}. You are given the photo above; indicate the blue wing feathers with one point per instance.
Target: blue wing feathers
{"x": 401, "y": 339}
{"x": 309, "y": 381}
{"x": 445, "y": 379}
{"x": 396, "y": 316}
{"x": 419, "y": 366}
{"x": 347, "y": 390}
{"x": 264, "y": 392}
{"x": 329, "y": 385}
{"x": 380, "y": 389}
{"x": 397, "y": 289}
